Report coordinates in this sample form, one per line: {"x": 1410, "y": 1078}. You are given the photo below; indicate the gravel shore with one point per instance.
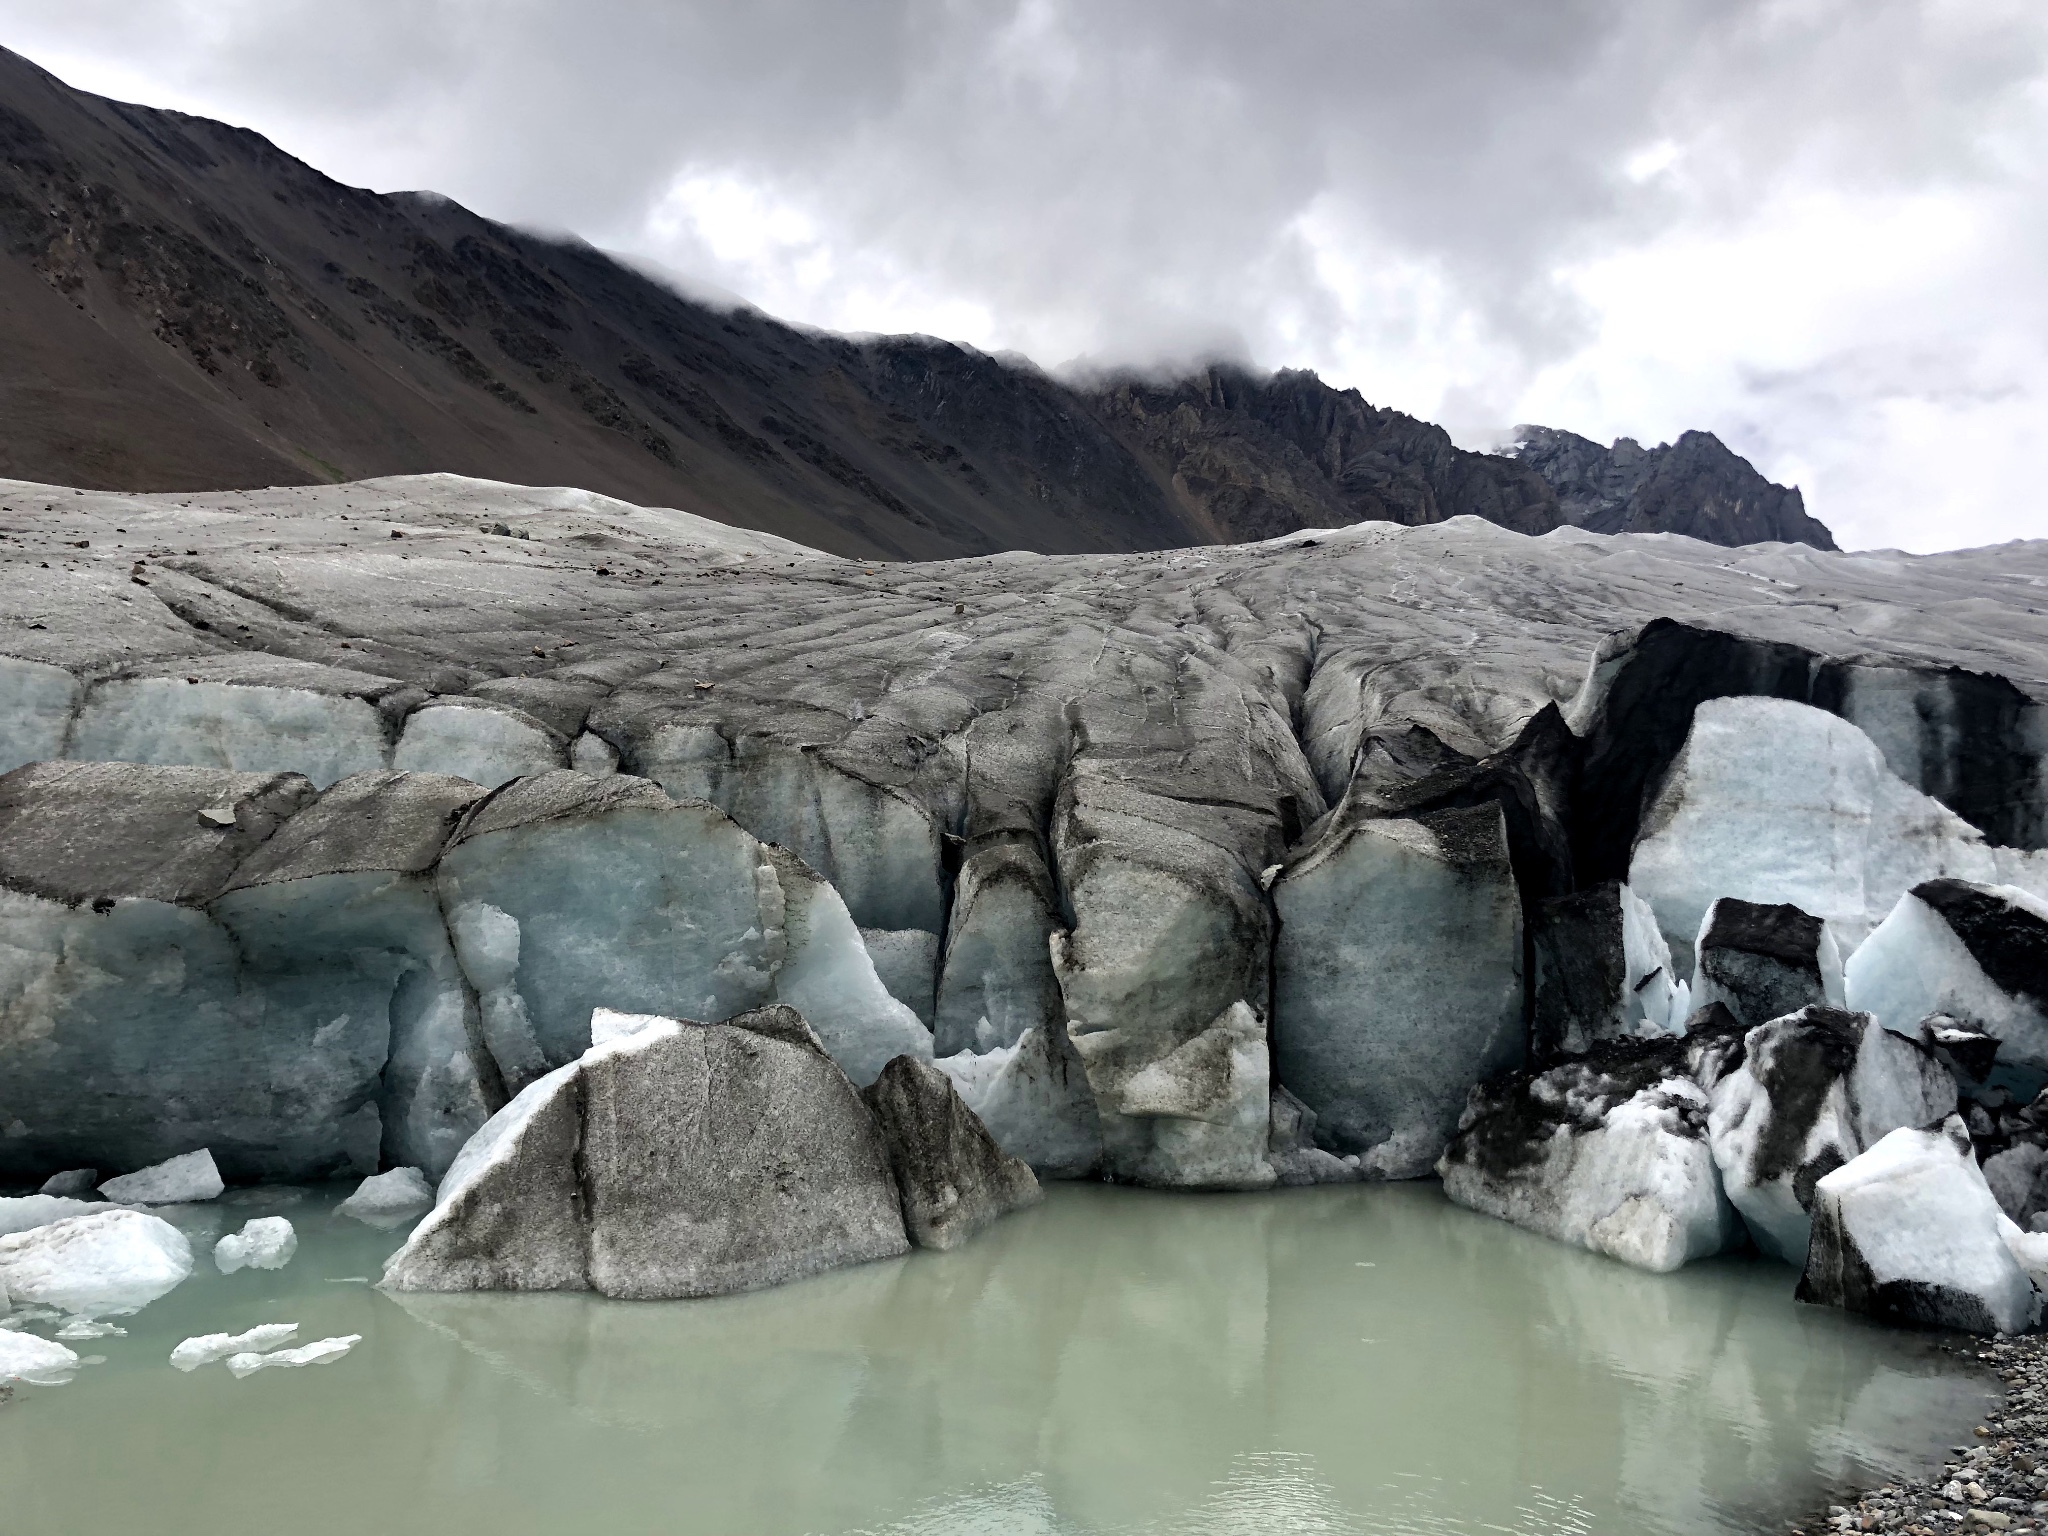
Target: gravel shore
{"x": 2000, "y": 1483}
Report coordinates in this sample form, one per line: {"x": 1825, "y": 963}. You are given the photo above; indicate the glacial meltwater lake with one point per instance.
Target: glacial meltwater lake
{"x": 1338, "y": 1360}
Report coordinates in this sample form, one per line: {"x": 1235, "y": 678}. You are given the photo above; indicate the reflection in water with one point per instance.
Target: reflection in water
{"x": 1355, "y": 1360}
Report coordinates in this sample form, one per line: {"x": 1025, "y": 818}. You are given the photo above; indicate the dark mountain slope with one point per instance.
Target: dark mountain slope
{"x": 185, "y": 306}
{"x": 1697, "y": 486}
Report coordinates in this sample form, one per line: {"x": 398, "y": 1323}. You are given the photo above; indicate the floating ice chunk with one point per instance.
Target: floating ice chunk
{"x": 267, "y": 1242}
{"x": 111, "y": 1262}
{"x": 24, "y": 1357}
{"x": 1773, "y": 801}
{"x": 73, "y": 1183}
{"x": 1907, "y": 1231}
{"x": 1977, "y": 953}
{"x": 389, "y": 1199}
{"x": 319, "y": 1352}
{"x": 1814, "y": 1090}
{"x": 1764, "y": 962}
{"x": 209, "y": 1347}
{"x": 175, "y": 1182}
{"x": 23, "y": 1212}
{"x": 1035, "y": 1100}
{"x": 953, "y": 1177}
{"x": 89, "y": 1328}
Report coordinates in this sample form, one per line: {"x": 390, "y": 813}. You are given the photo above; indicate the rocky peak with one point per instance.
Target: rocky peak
{"x": 1697, "y": 486}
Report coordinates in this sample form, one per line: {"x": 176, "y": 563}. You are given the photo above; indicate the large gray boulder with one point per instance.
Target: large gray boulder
{"x": 954, "y": 1179}
{"x": 679, "y": 1159}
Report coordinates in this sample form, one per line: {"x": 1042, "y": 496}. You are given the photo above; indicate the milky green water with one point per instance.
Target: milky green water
{"x": 1368, "y": 1360}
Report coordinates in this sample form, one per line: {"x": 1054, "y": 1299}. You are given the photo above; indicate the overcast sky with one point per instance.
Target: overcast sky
{"x": 1818, "y": 228}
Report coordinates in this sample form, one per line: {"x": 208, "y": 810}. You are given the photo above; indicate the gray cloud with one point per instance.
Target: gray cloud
{"x": 1812, "y": 225}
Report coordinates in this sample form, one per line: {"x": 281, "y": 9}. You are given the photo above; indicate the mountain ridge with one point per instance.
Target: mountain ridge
{"x": 185, "y": 306}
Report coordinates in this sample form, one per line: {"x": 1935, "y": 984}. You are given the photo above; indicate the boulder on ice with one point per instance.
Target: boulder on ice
{"x": 1608, "y": 1151}
{"x": 1813, "y": 1090}
{"x": 679, "y": 1159}
{"x": 1977, "y": 954}
{"x": 1603, "y": 972}
{"x": 1398, "y": 979}
{"x": 1907, "y": 1231}
{"x": 110, "y": 1262}
{"x": 1764, "y": 962}
{"x": 953, "y": 1177}
{"x": 73, "y": 1183}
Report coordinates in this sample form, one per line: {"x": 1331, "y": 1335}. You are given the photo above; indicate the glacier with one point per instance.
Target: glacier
{"x": 321, "y": 850}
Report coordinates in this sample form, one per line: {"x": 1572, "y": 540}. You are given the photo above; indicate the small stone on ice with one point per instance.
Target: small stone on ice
{"x": 190, "y": 1177}
{"x": 266, "y": 1242}
{"x": 388, "y": 1199}
{"x": 209, "y": 1347}
{"x": 319, "y": 1352}
{"x": 73, "y": 1183}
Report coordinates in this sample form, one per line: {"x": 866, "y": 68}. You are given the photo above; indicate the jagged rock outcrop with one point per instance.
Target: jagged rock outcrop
{"x": 1251, "y": 457}
{"x": 1696, "y": 486}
